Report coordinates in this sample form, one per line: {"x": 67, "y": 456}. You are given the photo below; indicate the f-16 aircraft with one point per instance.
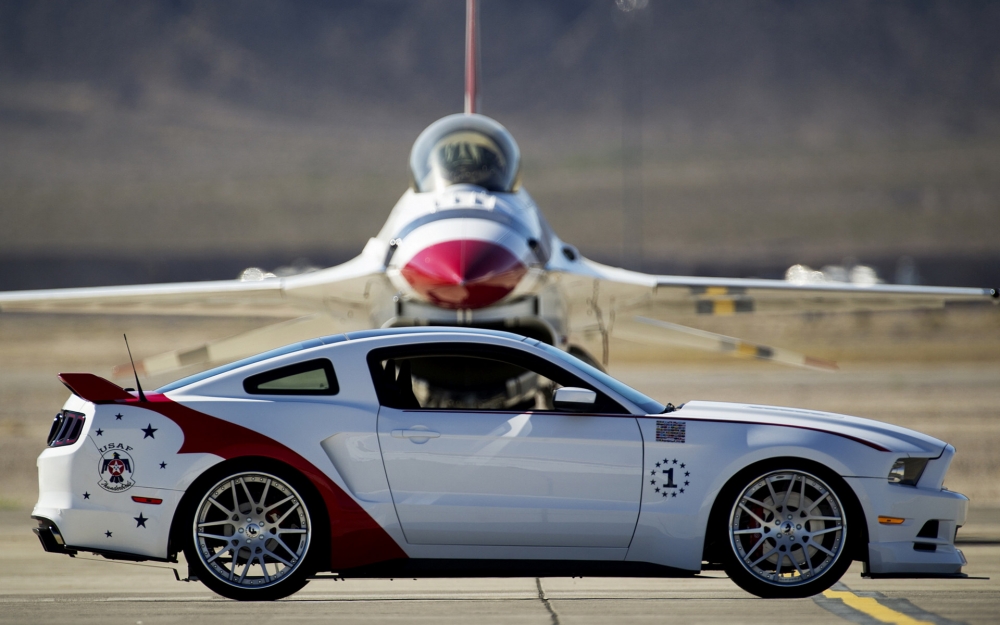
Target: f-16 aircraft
{"x": 466, "y": 246}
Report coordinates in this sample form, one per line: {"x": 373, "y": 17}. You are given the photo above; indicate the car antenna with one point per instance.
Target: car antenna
{"x": 142, "y": 396}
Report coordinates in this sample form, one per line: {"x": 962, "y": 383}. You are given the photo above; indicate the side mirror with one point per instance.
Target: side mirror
{"x": 573, "y": 399}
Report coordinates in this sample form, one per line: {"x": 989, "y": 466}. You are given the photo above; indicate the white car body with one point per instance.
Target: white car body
{"x": 517, "y": 485}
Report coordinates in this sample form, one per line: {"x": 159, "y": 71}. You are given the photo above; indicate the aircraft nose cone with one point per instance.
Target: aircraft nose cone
{"x": 465, "y": 273}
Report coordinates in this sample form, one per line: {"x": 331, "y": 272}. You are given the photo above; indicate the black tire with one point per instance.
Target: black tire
{"x": 251, "y": 534}
{"x": 786, "y": 531}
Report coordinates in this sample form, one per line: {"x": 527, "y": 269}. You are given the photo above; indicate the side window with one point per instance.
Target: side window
{"x": 459, "y": 382}
{"x": 470, "y": 377}
{"x": 312, "y": 377}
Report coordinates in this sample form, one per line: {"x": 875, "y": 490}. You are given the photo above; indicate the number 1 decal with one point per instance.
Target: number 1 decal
{"x": 666, "y": 486}
{"x": 670, "y": 478}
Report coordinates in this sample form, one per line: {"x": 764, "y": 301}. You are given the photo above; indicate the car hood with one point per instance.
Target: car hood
{"x": 874, "y": 433}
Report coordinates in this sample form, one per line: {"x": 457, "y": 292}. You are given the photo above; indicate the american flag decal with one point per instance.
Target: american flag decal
{"x": 671, "y": 431}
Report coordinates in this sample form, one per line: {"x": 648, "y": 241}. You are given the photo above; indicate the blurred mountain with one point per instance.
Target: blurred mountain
{"x": 746, "y": 68}
{"x": 770, "y": 131}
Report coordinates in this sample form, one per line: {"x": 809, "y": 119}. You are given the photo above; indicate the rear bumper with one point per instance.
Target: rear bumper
{"x": 52, "y": 541}
{"x": 50, "y": 537}
{"x": 75, "y": 514}
{"x": 923, "y": 545}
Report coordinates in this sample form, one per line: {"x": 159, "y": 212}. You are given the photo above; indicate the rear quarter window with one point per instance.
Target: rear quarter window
{"x": 312, "y": 377}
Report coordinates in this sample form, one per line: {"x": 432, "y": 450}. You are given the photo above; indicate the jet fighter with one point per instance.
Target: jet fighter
{"x": 466, "y": 245}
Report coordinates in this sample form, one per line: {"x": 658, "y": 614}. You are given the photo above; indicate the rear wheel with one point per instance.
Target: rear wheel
{"x": 252, "y": 537}
{"x": 787, "y": 534}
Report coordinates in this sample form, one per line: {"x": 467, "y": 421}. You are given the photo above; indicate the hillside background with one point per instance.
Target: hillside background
{"x": 151, "y": 141}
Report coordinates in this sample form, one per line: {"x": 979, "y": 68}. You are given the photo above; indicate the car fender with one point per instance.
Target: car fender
{"x": 671, "y": 529}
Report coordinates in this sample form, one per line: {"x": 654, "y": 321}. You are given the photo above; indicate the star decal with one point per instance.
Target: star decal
{"x": 118, "y": 417}
{"x": 682, "y": 490}
{"x": 657, "y": 464}
{"x": 675, "y": 460}
{"x": 148, "y": 431}
{"x": 108, "y": 533}
{"x": 687, "y": 474}
{"x": 86, "y": 495}
{"x": 683, "y": 465}
{"x": 652, "y": 472}
{"x": 99, "y": 432}
{"x": 686, "y": 482}
{"x": 673, "y": 494}
{"x": 664, "y": 493}
{"x": 163, "y": 465}
{"x": 140, "y": 521}
{"x": 657, "y": 489}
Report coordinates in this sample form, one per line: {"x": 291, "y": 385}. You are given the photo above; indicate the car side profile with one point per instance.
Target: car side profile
{"x": 450, "y": 452}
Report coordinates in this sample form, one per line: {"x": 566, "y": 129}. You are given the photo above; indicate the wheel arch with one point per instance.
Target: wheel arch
{"x": 858, "y": 530}
{"x": 197, "y": 488}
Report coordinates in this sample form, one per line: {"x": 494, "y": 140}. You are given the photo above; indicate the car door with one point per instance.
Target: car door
{"x": 476, "y": 455}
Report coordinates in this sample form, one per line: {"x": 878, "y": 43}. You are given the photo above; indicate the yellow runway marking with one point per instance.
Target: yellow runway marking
{"x": 724, "y": 307}
{"x": 873, "y": 608}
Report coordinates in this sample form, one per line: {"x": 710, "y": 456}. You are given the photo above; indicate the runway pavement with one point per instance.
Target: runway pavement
{"x": 36, "y": 587}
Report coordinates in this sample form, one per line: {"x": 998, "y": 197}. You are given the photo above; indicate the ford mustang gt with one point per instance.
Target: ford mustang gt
{"x": 454, "y": 452}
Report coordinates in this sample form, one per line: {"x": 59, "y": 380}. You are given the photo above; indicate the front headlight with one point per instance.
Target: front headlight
{"x": 907, "y": 471}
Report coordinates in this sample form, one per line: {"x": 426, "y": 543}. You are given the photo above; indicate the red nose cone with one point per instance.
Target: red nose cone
{"x": 464, "y": 274}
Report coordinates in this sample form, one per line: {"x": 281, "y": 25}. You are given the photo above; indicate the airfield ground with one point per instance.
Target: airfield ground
{"x": 935, "y": 372}
{"x": 36, "y": 587}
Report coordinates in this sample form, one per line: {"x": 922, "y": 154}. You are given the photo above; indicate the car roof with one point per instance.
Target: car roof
{"x": 329, "y": 340}
{"x": 383, "y": 332}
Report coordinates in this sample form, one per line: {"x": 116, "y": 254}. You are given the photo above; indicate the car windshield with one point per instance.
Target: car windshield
{"x": 651, "y": 406}
{"x": 280, "y": 351}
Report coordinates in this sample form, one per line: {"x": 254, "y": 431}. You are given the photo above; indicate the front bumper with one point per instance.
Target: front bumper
{"x": 923, "y": 545}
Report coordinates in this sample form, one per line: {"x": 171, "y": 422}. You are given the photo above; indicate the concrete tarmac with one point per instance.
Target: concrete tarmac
{"x": 37, "y": 587}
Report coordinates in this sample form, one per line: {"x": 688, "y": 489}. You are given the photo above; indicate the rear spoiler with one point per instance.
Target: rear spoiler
{"x": 94, "y": 388}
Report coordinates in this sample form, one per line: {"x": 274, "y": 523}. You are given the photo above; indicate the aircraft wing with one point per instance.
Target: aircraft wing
{"x": 345, "y": 286}
{"x": 612, "y": 302}
{"x": 621, "y": 290}
{"x": 658, "y": 332}
{"x": 242, "y": 345}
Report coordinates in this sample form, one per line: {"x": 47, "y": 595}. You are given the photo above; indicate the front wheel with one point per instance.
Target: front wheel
{"x": 251, "y": 537}
{"x": 787, "y": 535}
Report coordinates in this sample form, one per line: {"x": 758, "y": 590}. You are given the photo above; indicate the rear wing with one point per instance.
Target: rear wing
{"x": 94, "y": 389}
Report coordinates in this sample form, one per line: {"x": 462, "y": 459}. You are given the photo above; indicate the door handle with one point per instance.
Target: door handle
{"x": 415, "y": 434}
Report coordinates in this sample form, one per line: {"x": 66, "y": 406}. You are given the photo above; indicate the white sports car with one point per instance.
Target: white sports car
{"x": 453, "y": 452}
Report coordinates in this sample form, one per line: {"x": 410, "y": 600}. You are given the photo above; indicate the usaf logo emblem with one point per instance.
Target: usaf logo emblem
{"x": 115, "y": 468}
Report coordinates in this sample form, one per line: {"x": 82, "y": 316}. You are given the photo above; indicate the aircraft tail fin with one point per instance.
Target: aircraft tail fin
{"x": 471, "y": 56}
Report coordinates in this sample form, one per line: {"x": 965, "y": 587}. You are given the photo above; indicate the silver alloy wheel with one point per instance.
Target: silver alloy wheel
{"x": 787, "y": 528}
{"x": 252, "y": 530}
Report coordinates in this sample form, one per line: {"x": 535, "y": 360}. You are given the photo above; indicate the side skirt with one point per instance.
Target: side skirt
{"x": 416, "y": 567}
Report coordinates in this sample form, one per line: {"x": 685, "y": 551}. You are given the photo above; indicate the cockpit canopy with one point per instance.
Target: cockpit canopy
{"x": 465, "y": 149}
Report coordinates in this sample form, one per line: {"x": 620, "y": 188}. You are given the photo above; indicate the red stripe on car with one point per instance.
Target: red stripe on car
{"x": 356, "y": 538}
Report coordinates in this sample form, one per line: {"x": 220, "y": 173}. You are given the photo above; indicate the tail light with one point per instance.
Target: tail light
{"x": 66, "y": 428}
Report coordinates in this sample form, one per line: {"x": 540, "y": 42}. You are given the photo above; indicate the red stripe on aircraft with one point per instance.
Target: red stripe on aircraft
{"x": 466, "y": 273}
